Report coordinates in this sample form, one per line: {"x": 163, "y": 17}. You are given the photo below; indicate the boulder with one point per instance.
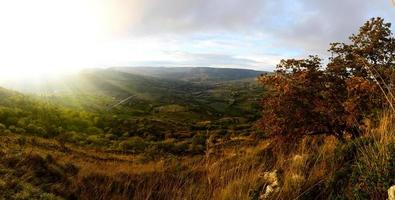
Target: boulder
{"x": 391, "y": 193}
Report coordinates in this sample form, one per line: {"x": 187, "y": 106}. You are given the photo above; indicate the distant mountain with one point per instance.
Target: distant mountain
{"x": 193, "y": 74}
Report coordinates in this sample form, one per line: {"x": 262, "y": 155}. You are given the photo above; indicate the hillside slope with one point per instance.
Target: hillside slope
{"x": 101, "y": 89}
{"x": 169, "y": 115}
{"x": 238, "y": 168}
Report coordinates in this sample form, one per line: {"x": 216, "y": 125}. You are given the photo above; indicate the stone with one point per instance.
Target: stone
{"x": 391, "y": 193}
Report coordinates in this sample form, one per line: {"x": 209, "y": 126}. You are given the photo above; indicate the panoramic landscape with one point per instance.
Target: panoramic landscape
{"x": 176, "y": 100}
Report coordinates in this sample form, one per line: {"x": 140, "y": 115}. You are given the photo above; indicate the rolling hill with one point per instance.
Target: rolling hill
{"x": 193, "y": 74}
{"x": 121, "y": 105}
{"x": 99, "y": 89}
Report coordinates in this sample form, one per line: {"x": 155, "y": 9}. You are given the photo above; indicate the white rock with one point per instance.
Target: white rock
{"x": 272, "y": 184}
{"x": 391, "y": 193}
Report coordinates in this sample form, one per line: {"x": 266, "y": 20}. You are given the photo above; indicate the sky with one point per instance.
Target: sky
{"x": 50, "y": 36}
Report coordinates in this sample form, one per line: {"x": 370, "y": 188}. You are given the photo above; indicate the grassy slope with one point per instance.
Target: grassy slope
{"x": 238, "y": 168}
{"x": 160, "y": 110}
{"x": 98, "y": 89}
{"x": 47, "y": 167}
{"x": 235, "y": 167}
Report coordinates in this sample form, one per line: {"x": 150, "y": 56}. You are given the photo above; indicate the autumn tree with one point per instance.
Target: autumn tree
{"x": 305, "y": 97}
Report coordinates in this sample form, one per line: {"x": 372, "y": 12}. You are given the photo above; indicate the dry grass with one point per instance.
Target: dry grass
{"x": 312, "y": 168}
{"x": 229, "y": 173}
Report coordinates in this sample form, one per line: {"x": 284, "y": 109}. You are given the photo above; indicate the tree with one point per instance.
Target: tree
{"x": 305, "y": 97}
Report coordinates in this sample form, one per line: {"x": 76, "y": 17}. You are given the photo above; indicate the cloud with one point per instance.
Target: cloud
{"x": 322, "y": 22}
{"x": 188, "y": 59}
{"x": 310, "y": 24}
{"x": 185, "y": 16}
{"x": 233, "y": 33}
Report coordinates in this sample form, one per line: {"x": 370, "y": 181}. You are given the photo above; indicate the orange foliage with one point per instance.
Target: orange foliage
{"x": 304, "y": 97}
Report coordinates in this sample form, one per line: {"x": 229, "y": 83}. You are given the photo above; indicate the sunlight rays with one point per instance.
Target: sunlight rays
{"x": 44, "y": 37}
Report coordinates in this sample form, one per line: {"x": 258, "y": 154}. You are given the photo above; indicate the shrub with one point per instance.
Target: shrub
{"x": 20, "y": 130}
{"x": 41, "y": 132}
{"x": 172, "y": 147}
{"x": 110, "y": 136}
{"x": 31, "y": 128}
{"x": 49, "y": 196}
{"x": 179, "y": 148}
{"x": 196, "y": 149}
{"x": 373, "y": 173}
{"x": 199, "y": 139}
{"x": 2, "y": 127}
{"x": 12, "y": 128}
{"x": 96, "y": 140}
{"x": 94, "y": 131}
{"x": 135, "y": 144}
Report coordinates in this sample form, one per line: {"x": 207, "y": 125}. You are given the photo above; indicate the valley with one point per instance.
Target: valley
{"x": 107, "y": 108}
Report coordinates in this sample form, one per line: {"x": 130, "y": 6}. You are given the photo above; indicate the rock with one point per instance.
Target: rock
{"x": 272, "y": 186}
{"x": 271, "y": 177}
{"x": 391, "y": 193}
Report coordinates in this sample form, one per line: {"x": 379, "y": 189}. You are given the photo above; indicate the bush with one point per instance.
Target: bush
{"x": 199, "y": 139}
{"x": 373, "y": 173}
{"x": 48, "y": 196}
{"x": 36, "y": 130}
{"x": 179, "y": 148}
{"x": 196, "y": 149}
{"x": 20, "y": 130}
{"x": 94, "y": 131}
{"x": 135, "y": 144}
{"x": 110, "y": 136}
{"x": 359, "y": 172}
{"x": 96, "y": 140}
{"x": 2, "y": 127}
{"x": 12, "y": 128}
{"x": 31, "y": 128}
{"x": 41, "y": 132}
{"x": 172, "y": 147}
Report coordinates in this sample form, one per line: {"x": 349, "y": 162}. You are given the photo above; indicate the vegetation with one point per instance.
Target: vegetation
{"x": 165, "y": 114}
{"x": 314, "y": 167}
{"x": 320, "y": 133}
{"x": 343, "y": 97}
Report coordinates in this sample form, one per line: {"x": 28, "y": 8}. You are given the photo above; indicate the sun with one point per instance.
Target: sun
{"x": 44, "y": 37}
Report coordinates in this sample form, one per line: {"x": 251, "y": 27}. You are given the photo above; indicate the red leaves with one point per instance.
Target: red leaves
{"x": 303, "y": 97}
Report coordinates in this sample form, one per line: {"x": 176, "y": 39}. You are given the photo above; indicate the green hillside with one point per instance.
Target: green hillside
{"x": 102, "y": 108}
{"x": 96, "y": 90}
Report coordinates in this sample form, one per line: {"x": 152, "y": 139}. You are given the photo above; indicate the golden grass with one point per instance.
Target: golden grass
{"x": 229, "y": 172}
